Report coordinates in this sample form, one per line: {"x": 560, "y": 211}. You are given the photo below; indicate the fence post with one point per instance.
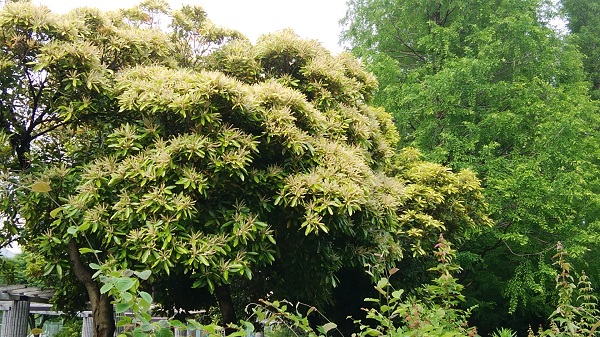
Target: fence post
{"x": 5, "y": 319}
{"x": 87, "y": 329}
{"x": 16, "y": 325}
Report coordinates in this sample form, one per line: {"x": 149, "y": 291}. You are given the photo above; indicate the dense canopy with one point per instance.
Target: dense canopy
{"x": 489, "y": 85}
{"x": 206, "y": 159}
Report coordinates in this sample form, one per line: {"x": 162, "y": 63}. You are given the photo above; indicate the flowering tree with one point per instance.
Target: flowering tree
{"x": 221, "y": 162}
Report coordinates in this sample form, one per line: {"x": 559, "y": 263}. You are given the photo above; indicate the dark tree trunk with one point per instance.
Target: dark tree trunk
{"x": 226, "y": 306}
{"x": 102, "y": 309}
{"x": 21, "y": 145}
{"x": 23, "y": 153}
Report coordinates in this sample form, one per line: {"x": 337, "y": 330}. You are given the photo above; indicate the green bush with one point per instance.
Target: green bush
{"x": 280, "y": 331}
{"x": 577, "y": 313}
{"x": 433, "y": 311}
{"x": 71, "y": 328}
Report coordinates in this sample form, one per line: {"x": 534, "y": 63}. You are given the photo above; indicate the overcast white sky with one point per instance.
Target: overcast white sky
{"x": 314, "y": 19}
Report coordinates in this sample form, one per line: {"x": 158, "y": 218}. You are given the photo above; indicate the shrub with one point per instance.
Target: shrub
{"x": 71, "y": 328}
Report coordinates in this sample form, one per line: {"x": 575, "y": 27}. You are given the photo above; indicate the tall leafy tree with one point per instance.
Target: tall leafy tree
{"x": 207, "y": 159}
{"x": 57, "y": 75}
{"x": 487, "y": 85}
{"x": 12, "y": 270}
{"x": 583, "y": 21}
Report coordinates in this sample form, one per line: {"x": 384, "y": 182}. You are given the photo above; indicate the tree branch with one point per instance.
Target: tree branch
{"x": 36, "y": 95}
{"x": 52, "y": 128}
{"x": 81, "y": 271}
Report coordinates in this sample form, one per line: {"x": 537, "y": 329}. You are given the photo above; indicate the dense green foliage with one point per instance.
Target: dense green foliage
{"x": 583, "y": 18}
{"x": 488, "y": 86}
{"x": 205, "y": 159}
{"x": 12, "y": 270}
{"x": 70, "y": 328}
{"x": 225, "y": 171}
{"x": 434, "y": 311}
{"x": 23, "y": 268}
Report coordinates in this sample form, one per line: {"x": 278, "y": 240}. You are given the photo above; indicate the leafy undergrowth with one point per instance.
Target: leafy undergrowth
{"x": 434, "y": 311}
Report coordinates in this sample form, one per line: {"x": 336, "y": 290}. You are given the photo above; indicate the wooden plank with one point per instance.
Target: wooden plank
{"x": 9, "y": 297}
{"x": 38, "y": 293}
{"x": 13, "y": 288}
{"x": 22, "y": 292}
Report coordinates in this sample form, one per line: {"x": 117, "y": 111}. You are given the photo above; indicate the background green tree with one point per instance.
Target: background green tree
{"x": 12, "y": 270}
{"x": 583, "y": 22}
{"x": 488, "y": 85}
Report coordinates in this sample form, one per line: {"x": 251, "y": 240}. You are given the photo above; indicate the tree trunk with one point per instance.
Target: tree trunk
{"x": 226, "y": 306}
{"x": 102, "y": 309}
{"x": 21, "y": 144}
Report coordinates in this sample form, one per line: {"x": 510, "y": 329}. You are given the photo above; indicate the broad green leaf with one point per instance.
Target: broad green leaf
{"x": 122, "y": 307}
{"x": 397, "y": 293}
{"x": 177, "y": 324}
{"x": 382, "y": 283}
{"x": 146, "y": 296}
{"x": 86, "y": 250}
{"x": 41, "y": 187}
{"x": 147, "y": 327}
{"x": 164, "y": 332}
{"x": 144, "y": 275}
{"x": 124, "y": 284}
{"x": 123, "y": 321}
{"x": 48, "y": 269}
{"x": 106, "y": 288}
{"x": 55, "y": 212}
{"x": 138, "y": 332}
{"x": 329, "y": 326}
{"x": 84, "y": 226}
